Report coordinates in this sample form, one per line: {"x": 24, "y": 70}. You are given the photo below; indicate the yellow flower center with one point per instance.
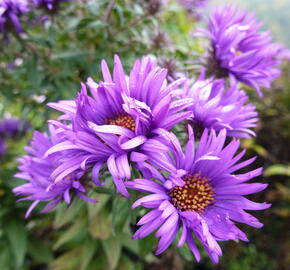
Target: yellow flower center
{"x": 195, "y": 195}
{"x": 238, "y": 53}
{"x": 123, "y": 120}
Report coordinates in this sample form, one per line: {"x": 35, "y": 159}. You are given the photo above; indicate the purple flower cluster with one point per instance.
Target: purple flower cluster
{"x": 239, "y": 50}
{"x": 201, "y": 194}
{"x": 11, "y": 128}
{"x": 125, "y": 123}
{"x": 38, "y": 172}
{"x": 116, "y": 124}
{"x": 10, "y": 13}
{"x": 218, "y": 107}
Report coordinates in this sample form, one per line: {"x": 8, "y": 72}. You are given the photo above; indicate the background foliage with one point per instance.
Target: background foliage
{"x": 47, "y": 64}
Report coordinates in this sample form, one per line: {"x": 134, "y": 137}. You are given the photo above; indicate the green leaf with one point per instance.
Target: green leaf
{"x": 277, "y": 169}
{"x": 185, "y": 253}
{"x": 88, "y": 251}
{"x": 120, "y": 212}
{"x": 66, "y": 214}
{"x": 39, "y": 250}
{"x": 70, "y": 54}
{"x": 130, "y": 243}
{"x": 147, "y": 245}
{"x": 33, "y": 75}
{"x": 94, "y": 209}
{"x": 76, "y": 230}
{"x": 17, "y": 237}
{"x": 101, "y": 226}
{"x": 5, "y": 259}
{"x": 98, "y": 263}
{"x": 127, "y": 264}
{"x": 112, "y": 248}
{"x": 68, "y": 261}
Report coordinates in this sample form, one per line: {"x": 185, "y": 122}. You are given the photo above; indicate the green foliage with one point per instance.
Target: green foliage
{"x": 48, "y": 64}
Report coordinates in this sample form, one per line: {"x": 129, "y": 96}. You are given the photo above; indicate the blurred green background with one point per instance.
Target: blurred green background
{"x": 49, "y": 62}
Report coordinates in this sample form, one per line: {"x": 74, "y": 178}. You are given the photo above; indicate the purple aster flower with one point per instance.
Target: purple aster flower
{"x": 2, "y": 147}
{"x": 12, "y": 127}
{"x": 201, "y": 194}
{"x": 10, "y": 13}
{"x": 215, "y": 106}
{"x": 116, "y": 123}
{"x": 192, "y": 4}
{"x": 37, "y": 170}
{"x": 51, "y": 5}
{"x": 239, "y": 50}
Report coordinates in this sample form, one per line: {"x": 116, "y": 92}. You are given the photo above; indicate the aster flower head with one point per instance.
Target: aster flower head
{"x": 239, "y": 50}
{"x": 115, "y": 124}
{"x": 218, "y": 107}
{"x": 38, "y": 170}
{"x": 12, "y": 127}
{"x": 10, "y": 13}
{"x": 202, "y": 195}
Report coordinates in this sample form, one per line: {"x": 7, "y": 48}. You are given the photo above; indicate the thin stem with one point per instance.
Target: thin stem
{"x": 132, "y": 23}
{"x": 109, "y": 10}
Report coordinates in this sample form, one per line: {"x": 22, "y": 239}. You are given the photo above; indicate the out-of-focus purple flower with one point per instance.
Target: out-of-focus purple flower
{"x": 239, "y": 50}
{"x": 2, "y": 147}
{"x": 215, "y": 106}
{"x": 37, "y": 170}
{"x": 194, "y": 8}
{"x": 201, "y": 194}
{"x": 12, "y": 127}
{"x": 115, "y": 125}
{"x": 190, "y": 5}
{"x": 10, "y": 13}
{"x": 51, "y": 5}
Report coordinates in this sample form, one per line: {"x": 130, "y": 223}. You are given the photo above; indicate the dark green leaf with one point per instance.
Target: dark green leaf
{"x": 40, "y": 251}
{"x": 17, "y": 237}
{"x": 112, "y": 247}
